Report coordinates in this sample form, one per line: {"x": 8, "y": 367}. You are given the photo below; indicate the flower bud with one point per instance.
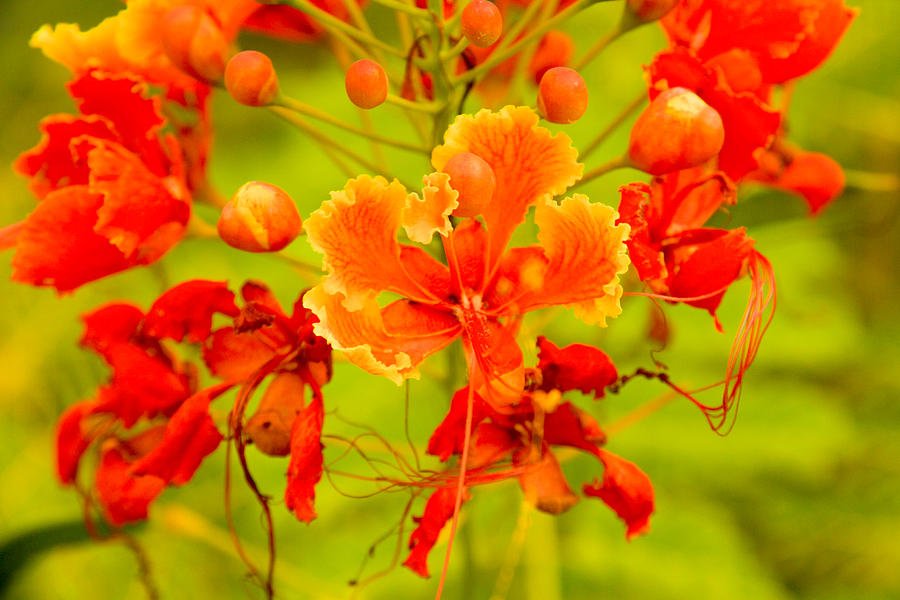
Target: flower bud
{"x": 474, "y": 179}
{"x": 260, "y": 218}
{"x": 649, "y": 10}
{"x": 366, "y": 83}
{"x": 562, "y": 95}
{"x": 250, "y": 78}
{"x": 270, "y": 426}
{"x": 677, "y": 131}
{"x": 194, "y": 42}
{"x": 481, "y": 23}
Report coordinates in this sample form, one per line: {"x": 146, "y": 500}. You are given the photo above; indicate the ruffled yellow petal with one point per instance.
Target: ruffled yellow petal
{"x": 356, "y": 231}
{"x": 391, "y": 342}
{"x": 430, "y": 214}
{"x": 529, "y": 162}
{"x": 578, "y": 262}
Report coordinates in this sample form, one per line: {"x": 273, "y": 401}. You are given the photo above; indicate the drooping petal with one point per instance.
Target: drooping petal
{"x": 58, "y": 246}
{"x": 438, "y": 510}
{"x": 818, "y": 178}
{"x": 530, "y": 164}
{"x": 625, "y": 489}
{"x": 390, "y": 342}
{"x": 72, "y": 440}
{"x": 568, "y": 425}
{"x": 544, "y": 483}
{"x": 357, "y": 232}
{"x": 190, "y": 437}
{"x": 235, "y": 356}
{"x": 430, "y": 214}
{"x": 711, "y": 266}
{"x": 125, "y": 497}
{"x": 305, "y": 468}
{"x": 448, "y": 436}
{"x": 187, "y": 310}
{"x": 575, "y": 367}
{"x": 584, "y": 254}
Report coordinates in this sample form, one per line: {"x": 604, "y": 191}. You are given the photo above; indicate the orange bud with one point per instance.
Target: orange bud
{"x": 270, "y": 426}
{"x": 650, "y": 10}
{"x": 250, "y": 78}
{"x": 194, "y": 42}
{"x": 474, "y": 179}
{"x": 562, "y": 95}
{"x": 481, "y": 23}
{"x": 677, "y": 131}
{"x": 366, "y": 83}
{"x": 260, "y": 218}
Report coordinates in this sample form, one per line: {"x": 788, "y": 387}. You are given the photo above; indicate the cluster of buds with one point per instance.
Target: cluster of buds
{"x": 119, "y": 183}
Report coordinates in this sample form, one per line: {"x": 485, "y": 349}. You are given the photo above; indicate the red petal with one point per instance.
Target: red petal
{"x": 235, "y": 356}
{"x": 71, "y": 442}
{"x": 142, "y": 384}
{"x": 625, "y": 489}
{"x": 125, "y": 497}
{"x": 438, "y": 510}
{"x": 52, "y": 164}
{"x": 711, "y": 266}
{"x": 190, "y": 436}
{"x": 448, "y": 436}
{"x": 575, "y": 367}
{"x": 187, "y": 309}
{"x": 142, "y": 213}
{"x": 645, "y": 254}
{"x": 136, "y": 119}
{"x": 109, "y": 325}
{"x": 58, "y": 245}
{"x": 305, "y": 468}
{"x": 568, "y": 425}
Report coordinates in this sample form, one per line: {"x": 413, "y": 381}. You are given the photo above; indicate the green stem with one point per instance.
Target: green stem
{"x": 615, "y": 124}
{"x": 424, "y": 107}
{"x": 321, "y": 115}
{"x": 328, "y": 20}
{"x": 619, "y": 162}
{"x": 413, "y": 11}
{"x": 456, "y": 50}
{"x": 313, "y": 132}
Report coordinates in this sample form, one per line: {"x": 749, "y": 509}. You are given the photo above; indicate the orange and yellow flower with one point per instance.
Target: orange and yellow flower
{"x": 483, "y": 289}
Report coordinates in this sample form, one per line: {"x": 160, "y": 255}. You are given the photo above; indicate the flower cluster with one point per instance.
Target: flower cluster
{"x": 407, "y": 272}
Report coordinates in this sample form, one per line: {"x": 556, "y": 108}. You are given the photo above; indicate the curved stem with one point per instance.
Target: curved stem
{"x": 619, "y": 162}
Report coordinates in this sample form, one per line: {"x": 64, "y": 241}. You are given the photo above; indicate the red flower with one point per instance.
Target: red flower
{"x": 518, "y": 443}
{"x": 787, "y": 38}
{"x": 112, "y": 187}
{"x": 817, "y": 178}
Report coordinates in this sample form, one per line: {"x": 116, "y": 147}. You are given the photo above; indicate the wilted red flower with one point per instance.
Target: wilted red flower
{"x": 814, "y": 176}
{"x": 151, "y": 388}
{"x": 517, "y": 443}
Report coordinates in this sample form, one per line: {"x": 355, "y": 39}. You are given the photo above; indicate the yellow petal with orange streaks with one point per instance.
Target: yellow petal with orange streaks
{"x": 357, "y": 232}
{"x": 430, "y": 214}
{"x": 530, "y": 163}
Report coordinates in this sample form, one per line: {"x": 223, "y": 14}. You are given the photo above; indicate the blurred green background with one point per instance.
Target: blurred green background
{"x": 801, "y": 500}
